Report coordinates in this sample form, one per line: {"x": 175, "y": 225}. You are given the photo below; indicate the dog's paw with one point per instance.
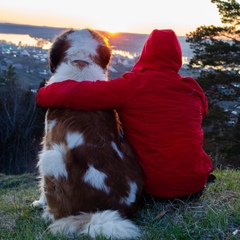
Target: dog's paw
{"x": 39, "y": 204}
{"x": 47, "y": 216}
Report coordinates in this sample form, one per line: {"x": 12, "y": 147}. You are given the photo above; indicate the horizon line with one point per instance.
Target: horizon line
{"x": 31, "y": 25}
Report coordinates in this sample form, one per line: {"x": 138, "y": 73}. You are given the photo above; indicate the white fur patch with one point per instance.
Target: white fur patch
{"x": 96, "y": 179}
{"x": 111, "y": 224}
{"x": 51, "y": 124}
{"x": 65, "y": 71}
{"x": 82, "y": 45}
{"x": 74, "y": 139}
{"x": 114, "y": 146}
{"x": 108, "y": 223}
{"x": 51, "y": 162}
{"x": 132, "y": 194}
{"x": 42, "y": 200}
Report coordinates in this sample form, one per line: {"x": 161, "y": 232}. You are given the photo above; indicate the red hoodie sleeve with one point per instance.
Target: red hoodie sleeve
{"x": 85, "y": 95}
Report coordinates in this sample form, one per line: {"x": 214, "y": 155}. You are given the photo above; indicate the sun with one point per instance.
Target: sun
{"x": 112, "y": 33}
{"x": 113, "y": 28}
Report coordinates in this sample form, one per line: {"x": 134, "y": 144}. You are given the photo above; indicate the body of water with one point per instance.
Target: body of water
{"x": 25, "y": 40}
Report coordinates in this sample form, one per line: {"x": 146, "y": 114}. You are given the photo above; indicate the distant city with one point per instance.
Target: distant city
{"x": 26, "y": 48}
{"x": 128, "y": 42}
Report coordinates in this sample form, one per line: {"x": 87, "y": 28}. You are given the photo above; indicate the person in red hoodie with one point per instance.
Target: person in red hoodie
{"x": 161, "y": 113}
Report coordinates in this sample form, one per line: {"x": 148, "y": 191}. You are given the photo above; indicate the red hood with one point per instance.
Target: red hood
{"x": 162, "y": 50}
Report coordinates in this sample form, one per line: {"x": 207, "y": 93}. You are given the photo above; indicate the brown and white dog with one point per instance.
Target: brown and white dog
{"x": 91, "y": 183}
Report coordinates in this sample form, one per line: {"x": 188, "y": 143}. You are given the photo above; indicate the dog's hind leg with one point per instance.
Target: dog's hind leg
{"x": 42, "y": 200}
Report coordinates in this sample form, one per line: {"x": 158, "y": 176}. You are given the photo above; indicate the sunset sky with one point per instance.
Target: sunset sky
{"x": 133, "y": 16}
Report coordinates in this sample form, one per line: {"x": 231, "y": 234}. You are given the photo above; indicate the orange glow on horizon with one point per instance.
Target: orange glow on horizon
{"x": 113, "y": 33}
{"x": 123, "y": 18}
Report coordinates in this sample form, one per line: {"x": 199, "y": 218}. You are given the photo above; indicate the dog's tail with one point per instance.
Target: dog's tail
{"x": 108, "y": 223}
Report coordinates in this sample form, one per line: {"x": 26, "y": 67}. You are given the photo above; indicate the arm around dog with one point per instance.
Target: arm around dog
{"x": 86, "y": 95}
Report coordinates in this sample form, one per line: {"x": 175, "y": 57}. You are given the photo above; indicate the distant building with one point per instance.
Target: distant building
{"x": 25, "y": 53}
{"x": 6, "y": 49}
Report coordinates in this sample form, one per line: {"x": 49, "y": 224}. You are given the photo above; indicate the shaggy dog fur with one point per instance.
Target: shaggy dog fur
{"x": 91, "y": 182}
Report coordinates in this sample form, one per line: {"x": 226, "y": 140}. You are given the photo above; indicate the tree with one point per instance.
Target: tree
{"x": 217, "y": 55}
{"x": 20, "y": 126}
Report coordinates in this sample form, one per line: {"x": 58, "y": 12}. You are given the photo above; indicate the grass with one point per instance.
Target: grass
{"x": 215, "y": 216}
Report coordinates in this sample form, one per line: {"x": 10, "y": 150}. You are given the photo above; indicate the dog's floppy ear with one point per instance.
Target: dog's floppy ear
{"x": 104, "y": 51}
{"x": 57, "y": 52}
{"x": 104, "y": 56}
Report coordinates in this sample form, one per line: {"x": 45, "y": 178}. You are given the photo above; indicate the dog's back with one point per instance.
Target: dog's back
{"x": 99, "y": 172}
{"x": 84, "y": 165}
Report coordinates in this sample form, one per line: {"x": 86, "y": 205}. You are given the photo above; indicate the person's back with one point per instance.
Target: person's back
{"x": 161, "y": 113}
{"x": 165, "y": 131}
{"x": 163, "y": 119}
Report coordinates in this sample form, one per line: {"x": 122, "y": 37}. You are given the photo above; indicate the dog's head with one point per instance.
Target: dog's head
{"x": 79, "y": 54}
